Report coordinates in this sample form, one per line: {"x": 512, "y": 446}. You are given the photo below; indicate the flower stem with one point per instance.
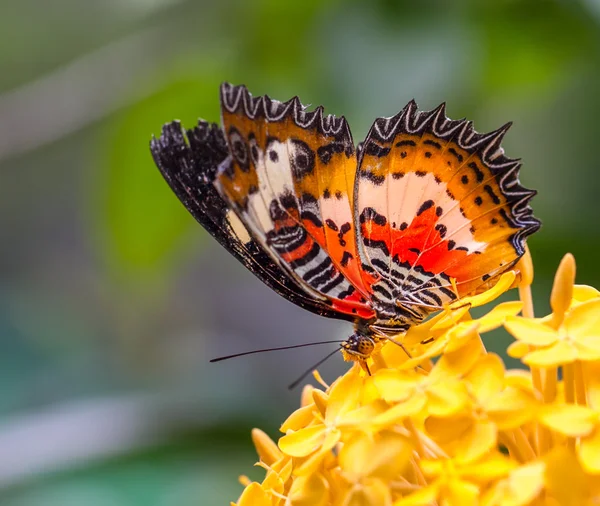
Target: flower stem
{"x": 580, "y": 392}
{"x": 419, "y": 477}
{"x": 528, "y": 312}
{"x": 416, "y": 437}
{"x": 524, "y": 446}
{"x": 569, "y": 382}
{"x": 527, "y": 300}
{"x": 550, "y": 385}
{"x": 508, "y": 441}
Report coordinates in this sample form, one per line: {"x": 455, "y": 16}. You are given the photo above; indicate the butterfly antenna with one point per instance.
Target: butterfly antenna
{"x": 311, "y": 369}
{"x": 227, "y": 357}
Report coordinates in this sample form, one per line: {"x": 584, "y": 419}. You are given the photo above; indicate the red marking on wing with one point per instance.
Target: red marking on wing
{"x": 415, "y": 244}
{"x": 351, "y": 305}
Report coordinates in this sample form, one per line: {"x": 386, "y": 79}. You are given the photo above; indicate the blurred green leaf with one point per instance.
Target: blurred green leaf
{"x": 140, "y": 221}
{"x": 531, "y": 47}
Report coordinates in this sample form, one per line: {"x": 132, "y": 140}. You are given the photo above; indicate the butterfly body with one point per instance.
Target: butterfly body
{"x": 423, "y": 212}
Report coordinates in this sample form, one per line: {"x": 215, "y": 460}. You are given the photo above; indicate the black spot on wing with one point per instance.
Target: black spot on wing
{"x": 374, "y": 149}
{"x": 326, "y": 152}
{"x": 370, "y": 214}
{"x": 457, "y": 155}
{"x": 367, "y": 174}
{"x": 433, "y": 143}
{"x": 346, "y": 257}
{"x": 405, "y": 143}
{"x": 331, "y": 224}
{"x": 477, "y": 170}
{"x": 425, "y": 206}
{"x": 490, "y": 192}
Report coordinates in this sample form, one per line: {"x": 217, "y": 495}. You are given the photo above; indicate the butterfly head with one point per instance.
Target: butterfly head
{"x": 358, "y": 347}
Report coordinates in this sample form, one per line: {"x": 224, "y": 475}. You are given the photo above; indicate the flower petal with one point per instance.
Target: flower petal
{"x": 496, "y": 317}
{"x": 487, "y": 377}
{"x": 520, "y": 488}
{"x": 589, "y": 452}
{"x": 453, "y": 316}
{"x": 530, "y": 331}
{"x": 254, "y": 495}
{"x": 311, "y": 490}
{"x": 490, "y": 468}
{"x": 302, "y": 442}
{"x": 588, "y": 348}
{"x": 383, "y": 456}
{"x": 566, "y": 481}
{"x": 446, "y": 398}
{"x": 461, "y": 335}
{"x": 503, "y": 284}
{"x": 400, "y": 411}
{"x": 517, "y": 349}
{"x": 448, "y": 429}
{"x": 519, "y": 378}
{"x": 299, "y": 419}
{"x": 460, "y": 362}
{"x": 582, "y": 293}
{"x": 363, "y": 415}
{"x": 425, "y": 352}
{"x": 267, "y": 450}
{"x": 568, "y": 419}
{"x": 394, "y": 385}
{"x": 422, "y": 497}
{"x": 480, "y": 439}
{"x": 583, "y": 320}
{"x": 344, "y": 394}
{"x": 460, "y": 493}
{"x": 320, "y": 399}
{"x": 511, "y": 408}
{"x": 372, "y": 492}
{"x": 559, "y": 353}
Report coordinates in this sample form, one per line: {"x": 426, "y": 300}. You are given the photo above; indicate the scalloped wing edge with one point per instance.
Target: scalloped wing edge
{"x": 487, "y": 145}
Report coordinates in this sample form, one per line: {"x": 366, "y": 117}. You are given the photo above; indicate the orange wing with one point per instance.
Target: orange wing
{"x": 289, "y": 179}
{"x": 435, "y": 200}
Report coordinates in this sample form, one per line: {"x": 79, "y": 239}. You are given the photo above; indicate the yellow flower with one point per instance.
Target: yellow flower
{"x": 493, "y": 407}
{"x": 458, "y": 483}
{"x": 571, "y": 333}
{"x": 449, "y": 425}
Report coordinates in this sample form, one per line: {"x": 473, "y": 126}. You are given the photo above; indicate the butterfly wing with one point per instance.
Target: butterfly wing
{"x": 188, "y": 160}
{"x": 437, "y": 201}
{"x": 290, "y": 179}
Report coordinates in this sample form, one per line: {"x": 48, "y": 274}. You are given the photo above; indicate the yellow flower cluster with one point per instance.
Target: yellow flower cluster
{"x": 451, "y": 426}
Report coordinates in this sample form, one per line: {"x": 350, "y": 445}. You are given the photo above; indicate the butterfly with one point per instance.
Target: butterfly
{"x": 421, "y": 213}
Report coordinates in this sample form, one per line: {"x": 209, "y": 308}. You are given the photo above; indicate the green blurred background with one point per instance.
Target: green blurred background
{"x": 112, "y": 298}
